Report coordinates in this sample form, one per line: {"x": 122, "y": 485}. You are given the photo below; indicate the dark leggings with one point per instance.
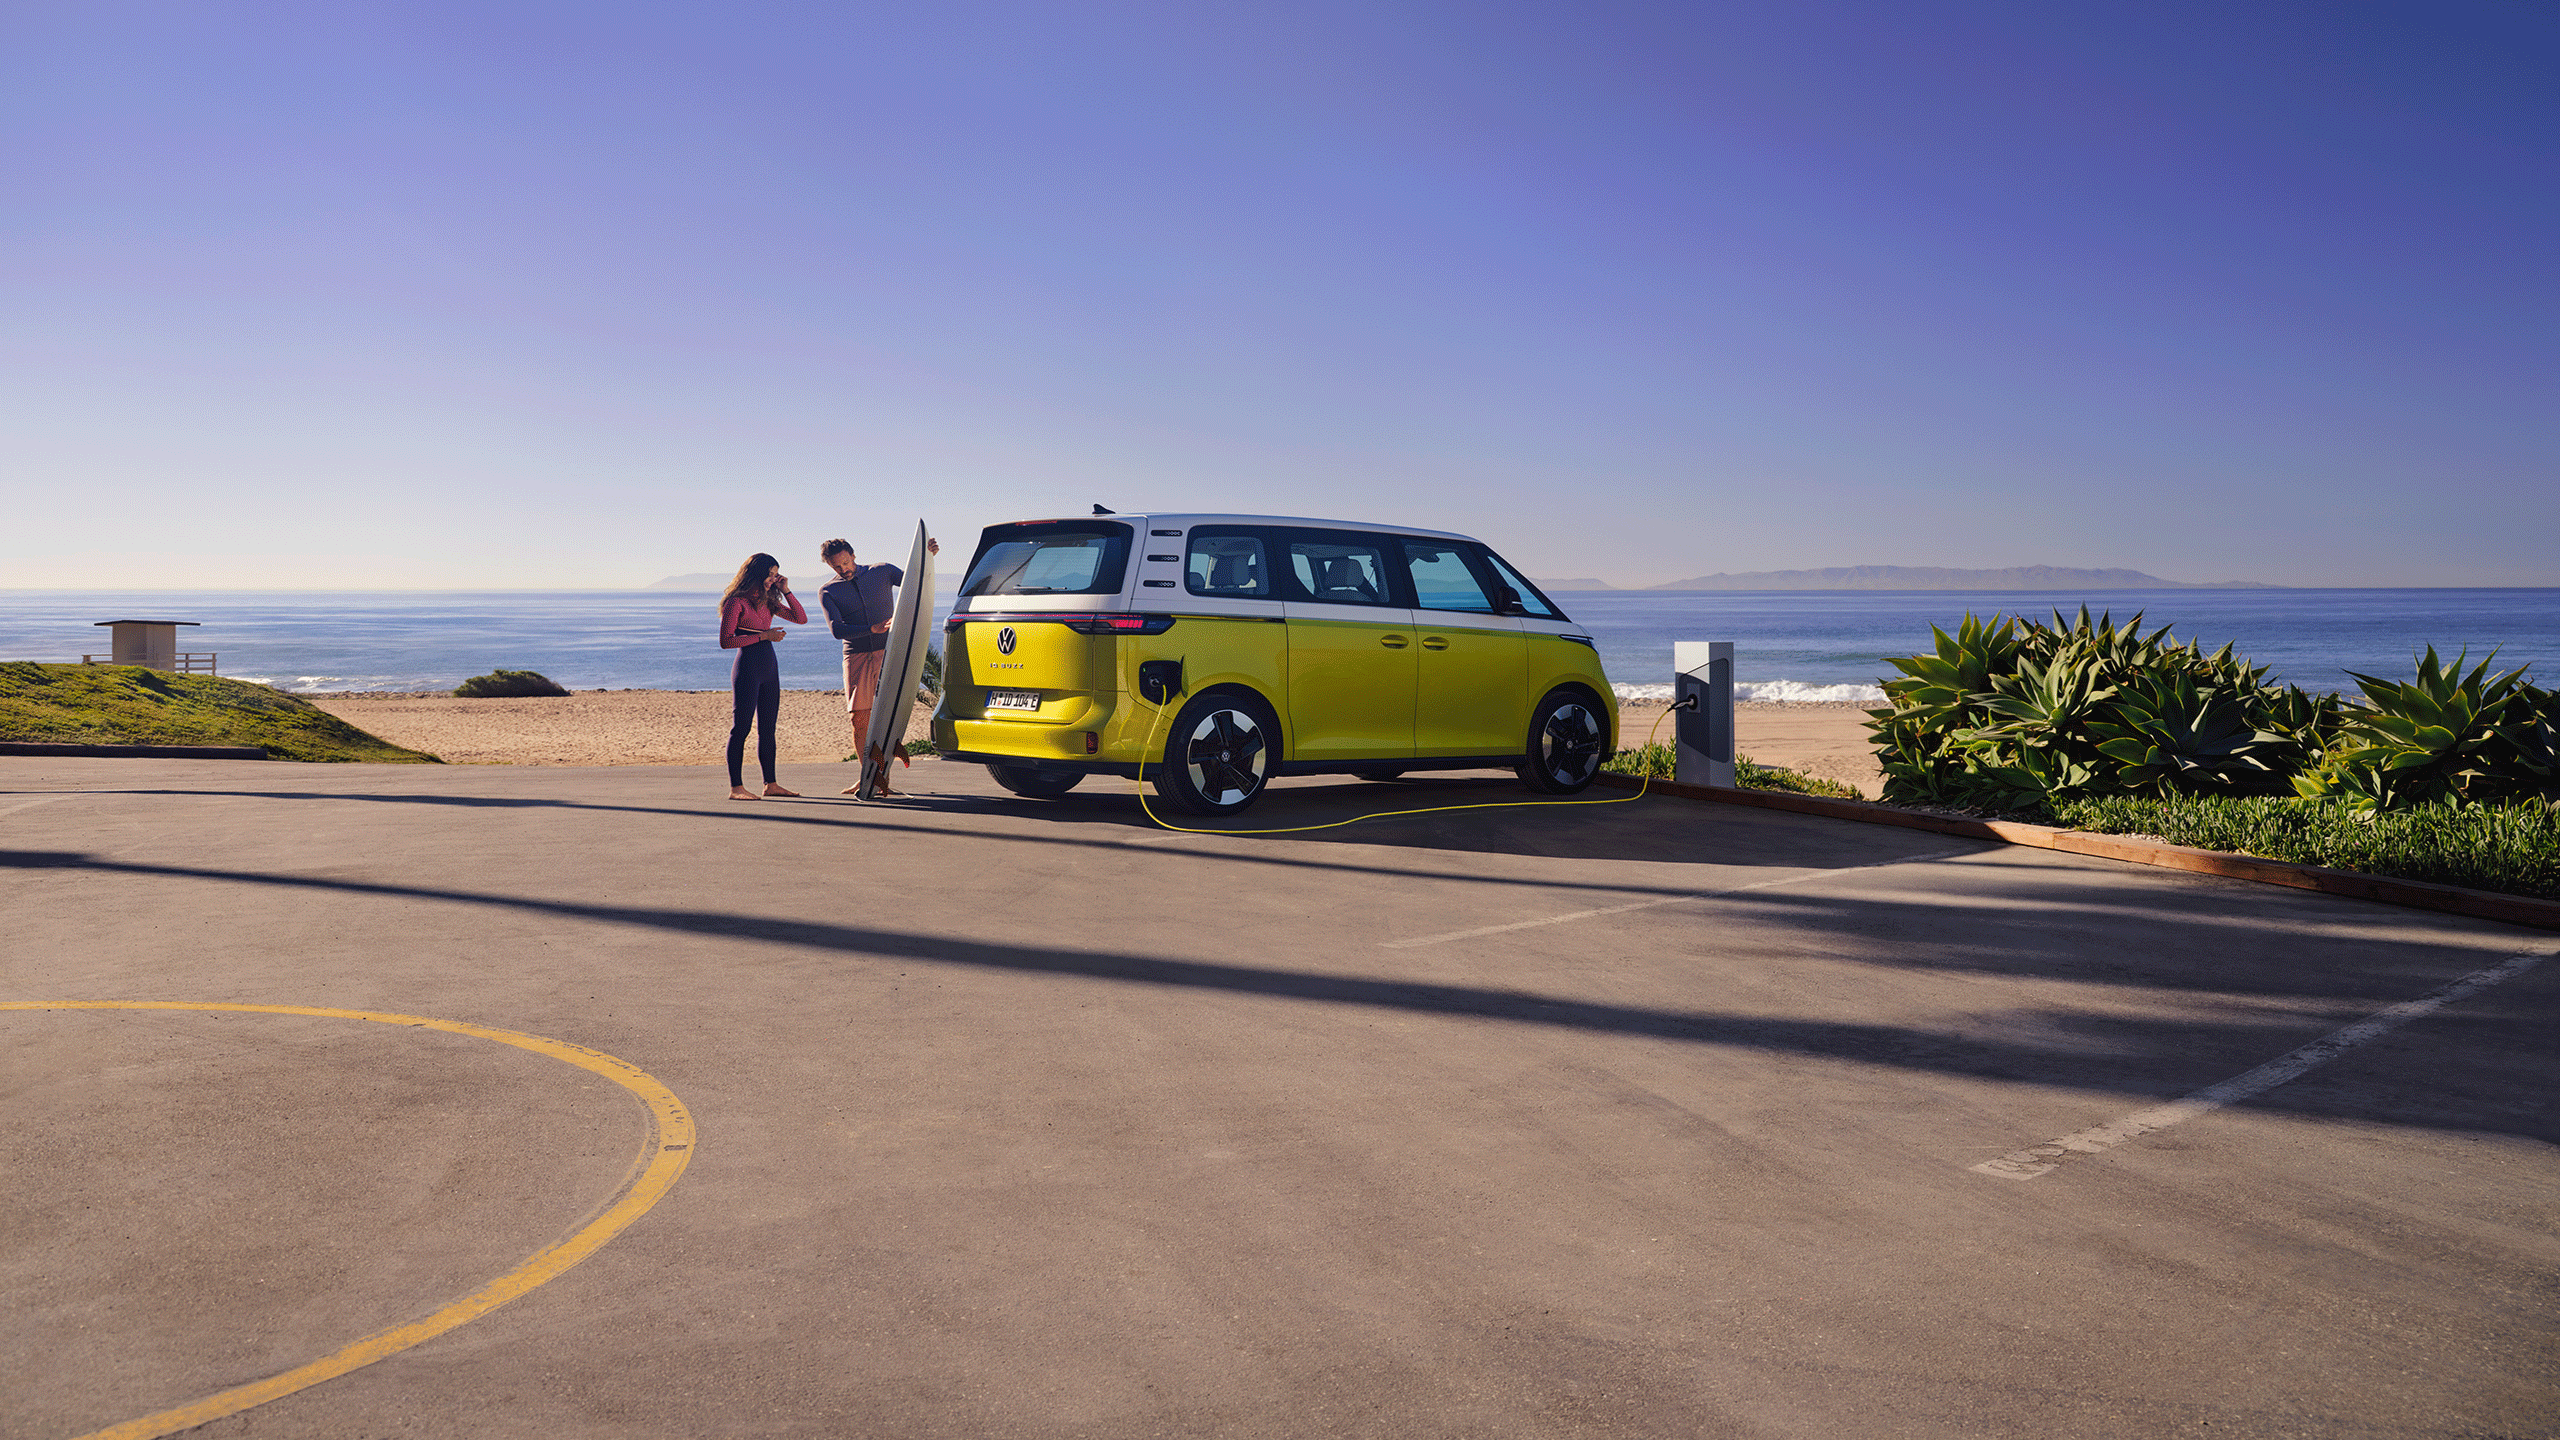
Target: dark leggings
{"x": 755, "y": 698}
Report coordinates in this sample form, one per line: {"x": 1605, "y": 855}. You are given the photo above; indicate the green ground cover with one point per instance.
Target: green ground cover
{"x": 1656, "y": 760}
{"x": 2513, "y": 849}
{"x": 132, "y": 705}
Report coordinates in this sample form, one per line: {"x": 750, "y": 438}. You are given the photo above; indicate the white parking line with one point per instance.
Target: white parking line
{"x": 1671, "y": 900}
{"x": 2036, "y": 1160}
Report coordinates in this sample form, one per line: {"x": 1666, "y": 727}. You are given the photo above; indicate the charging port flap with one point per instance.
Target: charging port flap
{"x": 1159, "y": 681}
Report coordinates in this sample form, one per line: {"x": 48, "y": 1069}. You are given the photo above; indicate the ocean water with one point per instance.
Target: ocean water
{"x": 1788, "y": 644}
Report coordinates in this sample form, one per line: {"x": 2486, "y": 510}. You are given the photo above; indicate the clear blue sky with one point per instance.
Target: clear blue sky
{"x": 523, "y": 294}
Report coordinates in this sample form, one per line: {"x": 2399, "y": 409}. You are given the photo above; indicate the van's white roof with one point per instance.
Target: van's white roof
{"x": 1186, "y": 521}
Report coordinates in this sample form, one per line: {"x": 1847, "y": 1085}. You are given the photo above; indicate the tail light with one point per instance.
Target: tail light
{"x": 1121, "y": 624}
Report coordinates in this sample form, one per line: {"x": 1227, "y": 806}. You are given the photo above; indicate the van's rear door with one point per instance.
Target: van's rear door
{"x": 1018, "y": 663}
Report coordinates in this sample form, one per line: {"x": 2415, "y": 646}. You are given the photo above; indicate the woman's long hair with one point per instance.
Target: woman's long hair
{"x": 755, "y": 581}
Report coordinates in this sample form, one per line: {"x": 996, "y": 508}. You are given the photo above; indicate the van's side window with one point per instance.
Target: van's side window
{"x": 1531, "y": 602}
{"x": 1227, "y": 565}
{"x": 1441, "y": 579}
{"x": 1339, "y": 572}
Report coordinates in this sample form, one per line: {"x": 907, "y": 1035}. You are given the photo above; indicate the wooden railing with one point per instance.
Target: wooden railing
{"x": 188, "y": 662}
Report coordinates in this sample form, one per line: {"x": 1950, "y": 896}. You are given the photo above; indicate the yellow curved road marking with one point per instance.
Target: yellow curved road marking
{"x": 662, "y": 1158}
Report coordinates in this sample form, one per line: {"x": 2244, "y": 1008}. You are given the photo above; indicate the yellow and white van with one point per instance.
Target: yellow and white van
{"x": 1227, "y": 649}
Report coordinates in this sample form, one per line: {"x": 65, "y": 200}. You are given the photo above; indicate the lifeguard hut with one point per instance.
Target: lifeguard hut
{"x": 153, "y": 643}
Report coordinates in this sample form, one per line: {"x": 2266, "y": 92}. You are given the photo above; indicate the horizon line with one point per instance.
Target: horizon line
{"x": 2172, "y": 588}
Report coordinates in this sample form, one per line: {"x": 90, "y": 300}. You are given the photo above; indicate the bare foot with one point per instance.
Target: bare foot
{"x": 741, "y": 792}
{"x": 850, "y": 790}
{"x": 778, "y": 790}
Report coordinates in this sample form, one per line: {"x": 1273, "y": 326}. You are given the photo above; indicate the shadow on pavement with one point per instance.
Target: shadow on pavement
{"x": 1107, "y": 822}
{"x": 2494, "y": 1079}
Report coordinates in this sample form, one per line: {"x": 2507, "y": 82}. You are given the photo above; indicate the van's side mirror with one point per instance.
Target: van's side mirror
{"x": 1507, "y": 600}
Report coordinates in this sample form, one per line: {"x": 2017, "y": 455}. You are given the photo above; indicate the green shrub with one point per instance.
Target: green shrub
{"x": 1751, "y": 776}
{"x": 500, "y": 683}
{"x": 2513, "y": 848}
{"x": 1657, "y": 761}
{"x": 1643, "y": 760}
{"x": 2014, "y": 717}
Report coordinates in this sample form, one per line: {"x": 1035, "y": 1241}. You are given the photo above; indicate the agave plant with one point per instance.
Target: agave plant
{"x": 2448, "y": 735}
{"x": 2047, "y": 706}
{"x": 2167, "y": 732}
{"x": 2117, "y": 650}
{"x": 2532, "y": 737}
{"x": 2013, "y": 714}
{"x": 2441, "y": 736}
{"x": 1960, "y": 667}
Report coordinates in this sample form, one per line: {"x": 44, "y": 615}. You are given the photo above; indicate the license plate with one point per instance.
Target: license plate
{"x": 1013, "y": 699}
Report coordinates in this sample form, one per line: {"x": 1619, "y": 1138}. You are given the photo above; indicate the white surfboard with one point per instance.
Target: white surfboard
{"x": 901, "y": 669}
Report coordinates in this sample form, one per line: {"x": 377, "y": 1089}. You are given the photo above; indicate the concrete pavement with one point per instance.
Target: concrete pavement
{"x": 1028, "y": 1118}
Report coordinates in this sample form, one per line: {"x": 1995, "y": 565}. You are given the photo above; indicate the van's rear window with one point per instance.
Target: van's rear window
{"x": 1078, "y": 559}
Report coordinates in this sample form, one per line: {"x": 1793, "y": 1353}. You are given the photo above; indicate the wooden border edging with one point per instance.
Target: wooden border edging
{"x": 136, "y": 752}
{"x": 2418, "y": 894}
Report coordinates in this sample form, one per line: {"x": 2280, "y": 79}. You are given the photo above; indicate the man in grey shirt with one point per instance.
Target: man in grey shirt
{"x": 859, "y": 605}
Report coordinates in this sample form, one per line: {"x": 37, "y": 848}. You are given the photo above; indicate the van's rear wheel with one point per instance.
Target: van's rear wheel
{"x": 1220, "y": 756}
{"x": 1037, "y": 784}
{"x": 1566, "y": 738}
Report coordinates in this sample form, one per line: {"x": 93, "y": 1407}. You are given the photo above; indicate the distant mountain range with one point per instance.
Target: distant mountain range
{"x": 1926, "y": 577}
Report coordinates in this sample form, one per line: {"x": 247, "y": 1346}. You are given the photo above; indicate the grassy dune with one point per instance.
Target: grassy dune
{"x": 131, "y": 705}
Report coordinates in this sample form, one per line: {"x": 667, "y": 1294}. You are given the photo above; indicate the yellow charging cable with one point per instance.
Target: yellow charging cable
{"x": 1158, "y": 729}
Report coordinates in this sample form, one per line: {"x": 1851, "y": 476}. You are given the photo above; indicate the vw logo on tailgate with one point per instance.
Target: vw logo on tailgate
{"x": 1004, "y": 640}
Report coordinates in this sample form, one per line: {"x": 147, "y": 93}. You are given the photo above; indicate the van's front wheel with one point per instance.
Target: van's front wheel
{"x": 1220, "y": 756}
{"x": 1566, "y": 738}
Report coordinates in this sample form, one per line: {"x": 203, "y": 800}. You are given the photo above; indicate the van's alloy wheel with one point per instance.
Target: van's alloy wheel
{"x": 1566, "y": 740}
{"x": 1220, "y": 756}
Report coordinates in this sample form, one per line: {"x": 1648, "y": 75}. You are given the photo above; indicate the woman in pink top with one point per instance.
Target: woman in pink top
{"x": 747, "y": 611}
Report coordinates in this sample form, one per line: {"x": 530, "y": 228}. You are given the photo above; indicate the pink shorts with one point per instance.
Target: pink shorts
{"x": 862, "y": 679}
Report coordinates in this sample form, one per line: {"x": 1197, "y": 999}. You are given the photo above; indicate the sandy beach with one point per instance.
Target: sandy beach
{"x": 601, "y": 727}
{"x": 1826, "y": 738}
{"x": 689, "y": 727}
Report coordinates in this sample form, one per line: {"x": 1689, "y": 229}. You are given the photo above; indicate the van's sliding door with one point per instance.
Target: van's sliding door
{"x": 1352, "y": 656}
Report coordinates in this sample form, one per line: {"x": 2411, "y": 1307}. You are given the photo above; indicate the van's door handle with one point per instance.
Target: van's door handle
{"x": 1392, "y": 642}
{"x": 1435, "y": 642}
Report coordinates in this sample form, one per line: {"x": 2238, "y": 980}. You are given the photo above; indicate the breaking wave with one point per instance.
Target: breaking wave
{"x": 1780, "y": 691}
{"x": 335, "y": 684}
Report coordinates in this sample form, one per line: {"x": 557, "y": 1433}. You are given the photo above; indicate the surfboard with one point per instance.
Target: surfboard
{"x": 901, "y": 669}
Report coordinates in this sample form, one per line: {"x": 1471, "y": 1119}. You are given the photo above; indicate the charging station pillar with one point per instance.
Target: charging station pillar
{"x": 1702, "y": 743}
